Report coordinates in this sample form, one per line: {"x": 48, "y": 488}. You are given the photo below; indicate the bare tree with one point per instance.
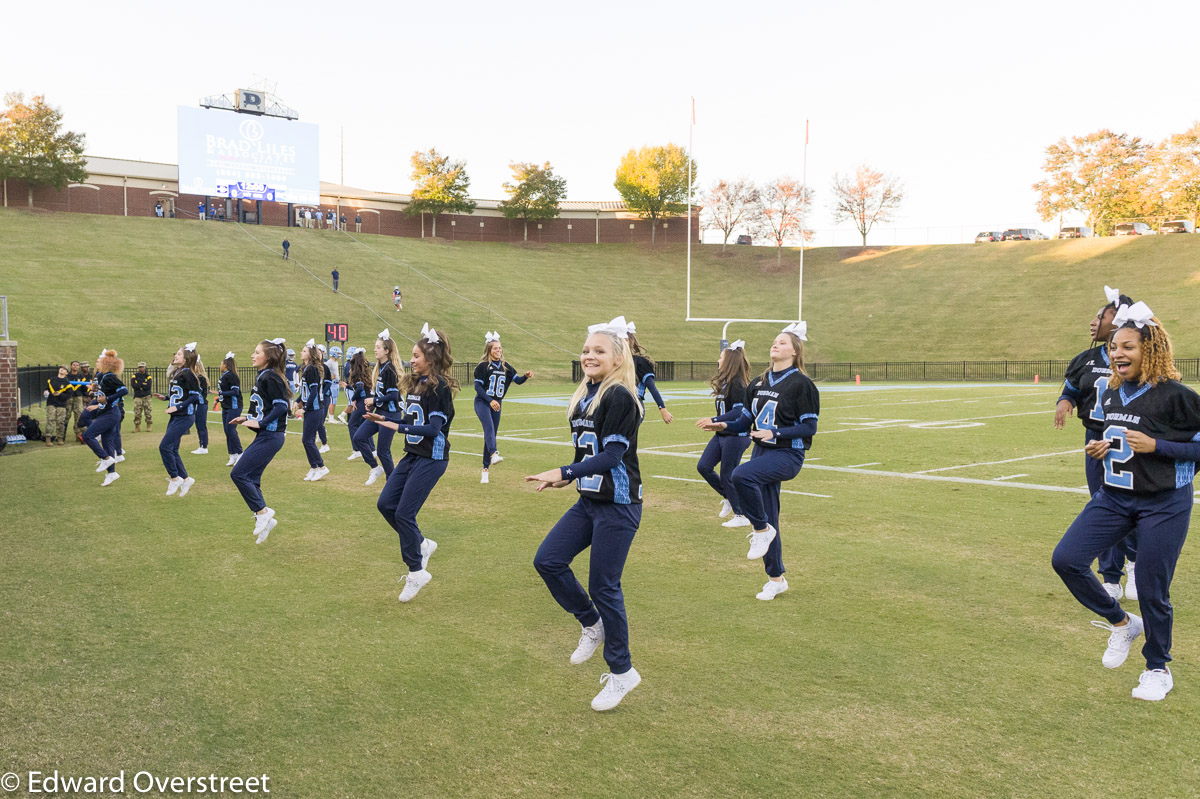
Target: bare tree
{"x": 866, "y": 198}
{"x": 727, "y": 206}
{"x": 778, "y": 212}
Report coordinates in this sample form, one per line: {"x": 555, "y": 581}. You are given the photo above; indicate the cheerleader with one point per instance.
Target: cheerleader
{"x": 726, "y": 448}
{"x": 326, "y": 380}
{"x": 358, "y": 378}
{"x": 1149, "y": 447}
{"x": 493, "y": 376}
{"x": 184, "y": 401}
{"x": 428, "y": 392}
{"x": 604, "y": 415}
{"x": 310, "y": 406}
{"x": 644, "y": 371}
{"x": 781, "y": 410}
{"x": 202, "y": 411}
{"x": 229, "y": 389}
{"x": 1086, "y": 378}
{"x": 386, "y": 403}
{"x": 266, "y": 415}
{"x": 101, "y": 433}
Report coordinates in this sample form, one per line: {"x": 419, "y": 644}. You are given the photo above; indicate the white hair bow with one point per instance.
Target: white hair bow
{"x": 737, "y": 345}
{"x": 312, "y": 342}
{"x": 491, "y": 336}
{"x": 1139, "y": 313}
{"x": 229, "y": 354}
{"x": 279, "y": 342}
{"x": 632, "y": 327}
{"x": 386, "y": 335}
{"x": 798, "y": 329}
{"x": 102, "y": 351}
{"x": 190, "y": 347}
{"x": 618, "y": 327}
{"x": 429, "y": 334}
{"x": 1112, "y": 294}
{"x": 321, "y": 347}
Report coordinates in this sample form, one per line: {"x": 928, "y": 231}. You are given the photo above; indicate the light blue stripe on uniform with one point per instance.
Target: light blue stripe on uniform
{"x": 439, "y": 447}
{"x": 620, "y": 485}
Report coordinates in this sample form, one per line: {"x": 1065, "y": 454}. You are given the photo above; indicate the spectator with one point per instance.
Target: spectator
{"x": 342, "y": 225}
{"x": 330, "y": 221}
{"x": 397, "y": 298}
{"x": 358, "y": 223}
{"x": 142, "y": 400}
{"x": 286, "y": 245}
{"x": 158, "y": 210}
{"x": 200, "y": 210}
{"x": 334, "y": 273}
{"x": 58, "y": 395}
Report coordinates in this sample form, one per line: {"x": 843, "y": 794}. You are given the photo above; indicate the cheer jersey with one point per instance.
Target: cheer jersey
{"x": 1167, "y": 410}
{"x": 230, "y": 389}
{"x": 109, "y": 392}
{"x": 1086, "y": 377}
{"x": 387, "y": 392}
{"x": 781, "y": 401}
{"x": 493, "y": 379}
{"x": 615, "y": 419}
{"x": 328, "y": 383}
{"x": 183, "y": 392}
{"x": 642, "y": 368}
{"x": 203, "y": 379}
{"x": 419, "y": 412}
{"x": 731, "y": 397}
{"x": 311, "y": 389}
{"x": 269, "y": 402}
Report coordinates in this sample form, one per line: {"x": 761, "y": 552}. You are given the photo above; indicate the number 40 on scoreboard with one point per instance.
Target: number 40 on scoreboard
{"x": 337, "y": 331}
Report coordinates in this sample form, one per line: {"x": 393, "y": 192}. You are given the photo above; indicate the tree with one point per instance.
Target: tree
{"x": 866, "y": 198}
{"x": 34, "y": 147}
{"x": 441, "y": 186}
{"x": 778, "y": 212}
{"x": 535, "y": 193}
{"x": 653, "y": 182}
{"x": 1176, "y": 167}
{"x": 1100, "y": 175}
{"x": 727, "y": 206}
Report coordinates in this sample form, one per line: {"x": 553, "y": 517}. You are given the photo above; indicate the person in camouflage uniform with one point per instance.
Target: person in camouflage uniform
{"x": 142, "y": 398}
{"x": 79, "y": 385}
{"x": 58, "y": 393}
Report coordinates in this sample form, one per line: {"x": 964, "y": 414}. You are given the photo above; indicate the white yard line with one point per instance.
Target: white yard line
{"x": 994, "y": 463}
{"x": 931, "y": 424}
{"x": 693, "y": 480}
{"x": 858, "y": 465}
{"x": 1010, "y": 477}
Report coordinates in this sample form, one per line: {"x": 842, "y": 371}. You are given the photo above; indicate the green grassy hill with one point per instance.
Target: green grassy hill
{"x": 145, "y": 286}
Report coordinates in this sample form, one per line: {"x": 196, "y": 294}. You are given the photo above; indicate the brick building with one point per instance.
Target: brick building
{"x": 134, "y": 188}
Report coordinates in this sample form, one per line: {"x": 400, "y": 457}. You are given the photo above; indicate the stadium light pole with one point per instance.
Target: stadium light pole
{"x": 691, "y": 129}
{"x": 803, "y": 197}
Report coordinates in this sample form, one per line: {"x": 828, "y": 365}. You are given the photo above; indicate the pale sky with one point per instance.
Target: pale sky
{"x": 959, "y": 100}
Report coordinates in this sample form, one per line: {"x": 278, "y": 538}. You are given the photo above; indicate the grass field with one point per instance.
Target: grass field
{"x": 925, "y": 649}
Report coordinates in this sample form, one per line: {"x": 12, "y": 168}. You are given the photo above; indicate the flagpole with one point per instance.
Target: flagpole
{"x": 691, "y": 127}
{"x": 803, "y": 193}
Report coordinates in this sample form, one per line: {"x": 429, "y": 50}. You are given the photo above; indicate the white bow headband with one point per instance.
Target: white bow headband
{"x": 104, "y": 350}
{"x": 1139, "y": 313}
{"x": 429, "y": 334}
{"x": 385, "y": 335}
{"x": 230, "y": 354}
{"x": 190, "y": 347}
{"x": 312, "y": 342}
{"x": 798, "y": 329}
{"x": 737, "y": 345}
{"x": 491, "y": 336}
{"x": 1113, "y": 295}
{"x": 279, "y": 342}
{"x": 618, "y": 327}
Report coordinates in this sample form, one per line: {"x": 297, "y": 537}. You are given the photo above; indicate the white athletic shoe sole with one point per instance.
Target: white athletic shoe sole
{"x": 110, "y": 479}
{"x": 201, "y": 451}
{"x": 266, "y": 531}
{"x": 737, "y": 521}
{"x": 186, "y": 486}
{"x": 354, "y": 456}
{"x": 319, "y": 473}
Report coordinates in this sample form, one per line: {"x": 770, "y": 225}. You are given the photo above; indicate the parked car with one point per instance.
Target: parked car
{"x": 1133, "y": 229}
{"x": 1023, "y": 234}
{"x": 989, "y": 235}
{"x": 743, "y": 239}
{"x": 1080, "y": 232}
{"x": 1177, "y": 226}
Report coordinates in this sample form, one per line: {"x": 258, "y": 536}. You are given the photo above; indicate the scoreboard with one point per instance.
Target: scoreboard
{"x": 337, "y": 331}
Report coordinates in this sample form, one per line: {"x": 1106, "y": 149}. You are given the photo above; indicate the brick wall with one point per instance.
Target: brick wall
{"x": 8, "y": 388}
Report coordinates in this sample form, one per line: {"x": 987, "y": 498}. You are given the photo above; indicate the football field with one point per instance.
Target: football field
{"x": 925, "y": 647}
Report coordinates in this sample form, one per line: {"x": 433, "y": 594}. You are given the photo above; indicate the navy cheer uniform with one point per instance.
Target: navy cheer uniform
{"x": 492, "y": 379}
{"x": 389, "y": 406}
{"x": 229, "y": 388}
{"x": 202, "y": 412}
{"x": 643, "y": 369}
{"x": 726, "y": 447}
{"x": 1087, "y": 377}
{"x": 269, "y": 407}
{"x": 356, "y": 393}
{"x": 1148, "y": 494}
{"x": 327, "y": 384}
{"x": 606, "y": 518}
{"x": 789, "y": 404}
{"x": 312, "y": 397}
{"x": 183, "y": 393}
{"x": 425, "y": 426}
{"x": 103, "y": 432}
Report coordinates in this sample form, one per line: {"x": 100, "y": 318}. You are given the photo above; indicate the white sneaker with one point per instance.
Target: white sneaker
{"x": 319, "y": 472}
{"x": 759, "y": 542}
{"x": 496, "y": 458}
{"x": 1154, "y": 685}
{"x": 324, "y": 448}
{"x": 109, "y": 479}
{"x": 1131, "y": 591}
{"x": 737, "y": 521}
{"x": 122, "y": 452}
{"x": 201, "y": 451}
{"x": 120, "y": 458}
{"x": 103, "y": 465}
{"x": 173, "y": 485}
{"x": 772, "y": 589}
{"x": 726, "y": 509}
{"x": 353, "y": 455}
{"x": 615, "y": 688}
{"x": 308, "y": 475}
{"x": 428, "y": 547}
{"x": 261, "y": 520}
{"x": 266, "y": 531}
{"x": 1120, "y": 640}
{"x": 483, "y": 476}
{"x": 413, "y": 583}
{"x": 1114, "y": 590}
{"x": 186, "y": 486}
{"x": 232, "y": 460}
{"x": 341, "y": 417}
{"x": 590, "y": 640}
{"x": 375, "y": 474}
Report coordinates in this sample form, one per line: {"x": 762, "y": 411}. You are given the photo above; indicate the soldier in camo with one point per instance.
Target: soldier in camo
{"x": 142, "y": 397}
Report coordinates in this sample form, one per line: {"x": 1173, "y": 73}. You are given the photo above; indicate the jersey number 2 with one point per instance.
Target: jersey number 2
{"x": 589, "y": 443}
{"x": 1119, "y": 452}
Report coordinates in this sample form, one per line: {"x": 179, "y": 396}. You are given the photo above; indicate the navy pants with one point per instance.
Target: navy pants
{"x": 100, "y": 435}
{"x": 321, "y": 414}
{"x": 246, "y": 474}
{"x": 727, "y": 451}
{"x": 1161, "y": 523}
{"x": 362, "y": 442}
{"x": 232, "y": 442}
{"x": 313, "y": 421}
{"x": 405, "y": 492}
{"x": 116, "y": 433}
{"x": 355, "y": 420}
{"x": 168, "y": 448}
{"x": 491, "y": 423}
{"x": 757, "y": 485}
{"x": 608, "y": 529}
{"x": 1112, "y": 561}
{"x": 202, "y": 425}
